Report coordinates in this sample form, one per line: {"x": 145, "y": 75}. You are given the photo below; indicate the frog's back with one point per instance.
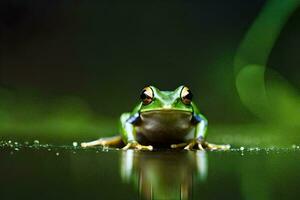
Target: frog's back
{"x": 164, "y": 127}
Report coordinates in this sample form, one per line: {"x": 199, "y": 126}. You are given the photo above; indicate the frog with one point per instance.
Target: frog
{"x": 162, "y": 119}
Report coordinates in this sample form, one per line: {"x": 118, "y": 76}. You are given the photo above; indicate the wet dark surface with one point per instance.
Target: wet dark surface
{"x": 37, "y": 171}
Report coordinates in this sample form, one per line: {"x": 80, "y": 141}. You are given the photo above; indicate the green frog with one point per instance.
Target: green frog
{"x": 162, "y": 118}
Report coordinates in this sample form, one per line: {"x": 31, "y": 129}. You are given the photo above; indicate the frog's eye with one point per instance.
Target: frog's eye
{"x": 186, "y": 95}
{"x": 147, "y": 95}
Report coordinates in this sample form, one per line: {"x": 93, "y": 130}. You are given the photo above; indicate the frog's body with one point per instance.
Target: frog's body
{"x": 165, "y": 127}
{"x": 162, "y": 118}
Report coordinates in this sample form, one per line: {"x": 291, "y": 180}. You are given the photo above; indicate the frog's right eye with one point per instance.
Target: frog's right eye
{"x": 147, "y": 95}
{"x": 186, "y": 95}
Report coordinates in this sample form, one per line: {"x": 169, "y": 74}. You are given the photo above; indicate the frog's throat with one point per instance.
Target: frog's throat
{"x": 164, "y": 126}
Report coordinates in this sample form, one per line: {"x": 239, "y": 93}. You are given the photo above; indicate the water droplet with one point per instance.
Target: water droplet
{"x": 75, "y": 144}
{"x": 17, "y": 149}
{"x": 242, "y": 148}
{"x": 36, "y": 142}
{"x": 57, "y": 154}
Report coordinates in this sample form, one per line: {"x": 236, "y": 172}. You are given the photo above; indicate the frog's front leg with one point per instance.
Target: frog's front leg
{"x": 128, "y": 132}
{"x": 199, "y": 138}
{"x": 200, "y": 131}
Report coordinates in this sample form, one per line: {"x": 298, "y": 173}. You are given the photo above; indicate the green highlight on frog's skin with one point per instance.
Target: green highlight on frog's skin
{"x": 162, "y": 118}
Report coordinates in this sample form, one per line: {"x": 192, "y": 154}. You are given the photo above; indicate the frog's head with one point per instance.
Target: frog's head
{"x": 152, "y": 99}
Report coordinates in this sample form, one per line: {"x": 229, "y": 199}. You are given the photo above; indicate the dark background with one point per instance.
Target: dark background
{"x": 91, "y": 59}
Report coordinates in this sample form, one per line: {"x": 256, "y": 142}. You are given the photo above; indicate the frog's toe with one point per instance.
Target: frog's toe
{"x": 217, "y": 146}
{"x": 147, "y": 148}
{"x": 93, "y": 143}
{"x": 104, "y": 142}
{"x": 137, "y": 146}
{"x": 190, "y": 146}
{"x": 195, "y": 145}
{"x": 83, "y": 144}
{"x": 128, "y": 146}
{"x": 176, "y": 146}
{"x": 200, "y": 146}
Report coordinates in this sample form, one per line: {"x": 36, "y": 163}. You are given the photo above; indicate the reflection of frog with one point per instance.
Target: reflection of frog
{"x": 162, "y": 118}
{"x": 164, "y": 175}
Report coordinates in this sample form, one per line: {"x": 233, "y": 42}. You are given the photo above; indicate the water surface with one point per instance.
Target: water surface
{"x": 38, "y": 171}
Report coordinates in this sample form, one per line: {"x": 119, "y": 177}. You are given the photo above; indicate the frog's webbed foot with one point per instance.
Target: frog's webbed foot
{"x": 109, "y": 141}
{"x": 137, "y": 146}
{"x": 201, "y": 145}
{"x": 194, "y": 145}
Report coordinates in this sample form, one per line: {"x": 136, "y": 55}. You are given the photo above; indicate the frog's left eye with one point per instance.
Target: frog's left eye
{"x": 186, "y": 95}
{"x": 147, "y": 95}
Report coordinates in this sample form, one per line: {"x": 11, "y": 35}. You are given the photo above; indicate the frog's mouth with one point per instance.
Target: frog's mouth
{"x": 166, "y": 110}
{"x": 170, "y": 115}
